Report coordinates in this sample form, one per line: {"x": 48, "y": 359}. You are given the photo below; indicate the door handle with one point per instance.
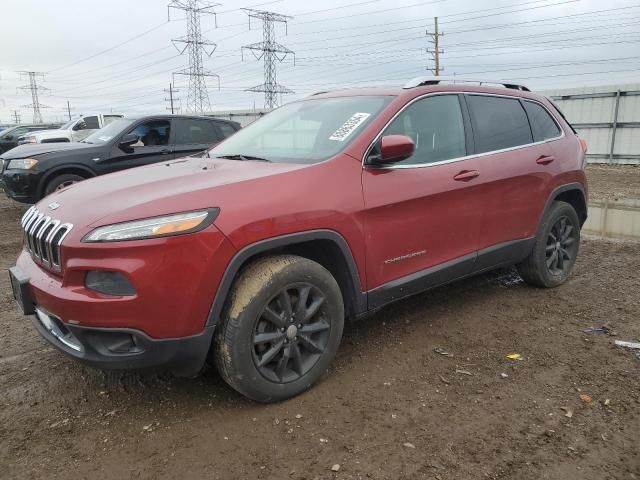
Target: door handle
{"x": 545, "y": 160}
{"x": 466, "y": 175}
{"x": 165, "y": 151}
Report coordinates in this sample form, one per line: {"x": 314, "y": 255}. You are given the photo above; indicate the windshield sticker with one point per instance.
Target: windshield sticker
{"x": 349, "y": 126}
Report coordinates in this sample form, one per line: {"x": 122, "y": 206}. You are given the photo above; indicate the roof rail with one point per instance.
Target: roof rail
{"x": 424, "y": 81}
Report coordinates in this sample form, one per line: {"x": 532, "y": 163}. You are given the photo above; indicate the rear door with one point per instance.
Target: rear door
{"x": 515, "y": 170}
{"x": 424, "y": 212}
{"x": 153, "y": 146}
{"x": 194, "y": 136}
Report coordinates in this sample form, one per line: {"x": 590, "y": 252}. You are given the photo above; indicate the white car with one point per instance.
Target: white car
{"x": 73, "y": 131}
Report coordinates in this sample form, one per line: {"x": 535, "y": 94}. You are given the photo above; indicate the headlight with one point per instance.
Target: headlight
{"x": 22, "y": 164}
{"x": 154, "y": 227}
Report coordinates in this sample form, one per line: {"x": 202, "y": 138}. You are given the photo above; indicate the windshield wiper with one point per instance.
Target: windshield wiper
{"x": 243, "y": 157}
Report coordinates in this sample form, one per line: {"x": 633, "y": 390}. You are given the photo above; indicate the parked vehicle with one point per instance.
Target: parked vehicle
{"x": 326, "y": 209}
{"x": 29, "y": 172}
{"x": 73, "y": 131}
{"x": 9, "y": 136}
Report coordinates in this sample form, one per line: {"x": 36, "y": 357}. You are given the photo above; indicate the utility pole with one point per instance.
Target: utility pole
{"x": 34, "y": 88}
{"x": 69, "y": 109}
{"x": 172, "y": 99}
{"x": 436, "y": 51}
{"x": 16, "y": 116}
{"x": 270, "y": 51}
{"x": 197, "y": 47}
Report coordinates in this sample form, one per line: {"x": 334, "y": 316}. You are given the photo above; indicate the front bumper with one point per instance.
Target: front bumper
{"x": 20, "y": 185}
{"x": 122, "y": 348}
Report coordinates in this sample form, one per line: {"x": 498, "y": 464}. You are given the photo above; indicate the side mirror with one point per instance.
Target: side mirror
{"x": 392, "y": 148}
{"x": 128, "y": 140}
{"x": 8, "y": 137}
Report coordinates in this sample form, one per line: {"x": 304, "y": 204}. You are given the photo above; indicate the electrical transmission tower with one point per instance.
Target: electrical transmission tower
{"x": 197, "y": 47}
{"x": 436, "y": 51}
{"x": 34, "y": 88}
{"x": 16, "y": 116}
{"x": 270, "y": 51}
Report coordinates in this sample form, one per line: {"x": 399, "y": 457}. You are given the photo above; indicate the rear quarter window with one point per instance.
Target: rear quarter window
{"x": 543, "y": 125}
{"x": 498, "y": 123}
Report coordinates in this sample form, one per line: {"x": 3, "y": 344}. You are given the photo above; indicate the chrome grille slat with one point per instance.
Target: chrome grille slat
{"x": 43, "y": 237}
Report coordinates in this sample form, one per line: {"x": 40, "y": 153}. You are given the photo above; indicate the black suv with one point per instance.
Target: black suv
{"x": 30, "y": 172}
{"x": 9, "y": 137}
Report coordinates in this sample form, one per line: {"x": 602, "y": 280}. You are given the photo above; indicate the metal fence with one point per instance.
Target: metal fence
{"x": 607, "y": 117}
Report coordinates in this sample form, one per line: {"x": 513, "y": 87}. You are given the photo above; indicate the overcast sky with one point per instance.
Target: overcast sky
{"x": 117, "y": 55}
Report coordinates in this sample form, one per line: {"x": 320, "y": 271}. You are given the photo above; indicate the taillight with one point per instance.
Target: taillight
{"x": 583, "y": 144}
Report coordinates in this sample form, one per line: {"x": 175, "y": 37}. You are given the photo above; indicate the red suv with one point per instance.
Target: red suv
{"x": 324, "y": 210}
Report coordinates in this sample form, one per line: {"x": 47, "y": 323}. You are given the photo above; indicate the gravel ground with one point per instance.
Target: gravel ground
{"x": 393, "y": 406}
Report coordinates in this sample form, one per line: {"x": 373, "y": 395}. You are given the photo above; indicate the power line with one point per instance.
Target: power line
{"x": 33, "y": 87}
{"x": 269, "y": 49}
{"x": 111, "y": 48}
{"x": 197, "y": 47}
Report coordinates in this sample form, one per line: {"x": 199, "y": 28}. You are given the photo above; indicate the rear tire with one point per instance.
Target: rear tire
{"x": 281, "y": 328}
{"x": 555, "y": 249}
{"x": 61, "y": 181}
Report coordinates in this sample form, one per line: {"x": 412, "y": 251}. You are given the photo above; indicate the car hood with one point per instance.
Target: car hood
{"x": 53, "y": 132}
{"x": 169, "y": 187}
{"x": 30, "y": 150}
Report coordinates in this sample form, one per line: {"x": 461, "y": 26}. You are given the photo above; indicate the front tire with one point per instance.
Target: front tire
{"x": 281, "y": 328}
{"x": 555, "y": 249}
{"x": 61, "y": 181}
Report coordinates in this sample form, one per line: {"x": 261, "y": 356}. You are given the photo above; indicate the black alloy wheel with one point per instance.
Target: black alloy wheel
{"x": 291, "y": 333}
{"x": 561, "y": 246}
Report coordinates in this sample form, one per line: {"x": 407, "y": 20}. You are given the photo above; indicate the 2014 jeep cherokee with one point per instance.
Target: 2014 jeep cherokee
{"x": 324, "y": 210}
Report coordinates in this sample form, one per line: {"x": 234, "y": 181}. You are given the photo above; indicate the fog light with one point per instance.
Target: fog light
{"x": 109, "y": 283}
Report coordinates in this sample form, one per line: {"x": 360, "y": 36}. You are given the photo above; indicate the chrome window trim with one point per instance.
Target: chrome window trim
{"x": 466, "y": 157}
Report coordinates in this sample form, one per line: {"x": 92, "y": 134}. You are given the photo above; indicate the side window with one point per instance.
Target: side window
{"x": 226, "y": 129}
{"x": 190, "y": 132}
{"x": 152, "y": 133}
{"x": 91, "y": 123}
{"x": 498, "y": 123}
{"x": 542, "y": 125}
{"x": 436, "y": 126}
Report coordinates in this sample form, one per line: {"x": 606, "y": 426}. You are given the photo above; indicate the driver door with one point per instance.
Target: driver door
{"x": 422, "y": 215}
{"x": 153, "y": 145}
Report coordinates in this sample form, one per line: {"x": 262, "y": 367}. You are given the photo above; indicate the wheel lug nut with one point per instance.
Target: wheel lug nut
{"x": 299, "y": 325}
{"x": 295, "y": 338}
{"x": 282, "y": 329}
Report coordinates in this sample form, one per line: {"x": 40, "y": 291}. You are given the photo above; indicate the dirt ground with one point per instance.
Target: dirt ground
{"x": 391, "y": 407}
{"x": 613, "y": 182}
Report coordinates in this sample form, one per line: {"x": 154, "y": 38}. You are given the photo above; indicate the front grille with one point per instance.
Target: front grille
{"x": 43, "y": 236}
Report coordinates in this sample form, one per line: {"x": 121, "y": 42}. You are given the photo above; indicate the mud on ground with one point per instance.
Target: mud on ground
{"x": 391, "y": 407}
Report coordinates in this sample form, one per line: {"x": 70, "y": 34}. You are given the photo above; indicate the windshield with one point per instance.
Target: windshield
{"x": 303, "y": 132}
{"x": 105, "y": 134}
{"x": 67, "y": 125}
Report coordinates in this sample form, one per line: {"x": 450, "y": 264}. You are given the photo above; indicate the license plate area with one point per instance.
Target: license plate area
{"x": 21, "y": 290}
